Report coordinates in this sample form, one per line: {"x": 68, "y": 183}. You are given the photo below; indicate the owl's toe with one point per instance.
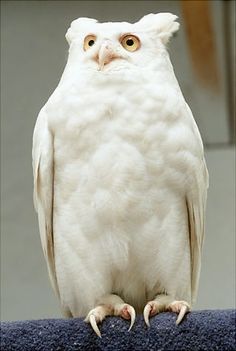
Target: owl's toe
{"x": 180, "y": 307}
{"x": 97, "y": 315}
{"x": 93, "y": 322}
{"x": 127, "y": 312}
{"x": 151, "y": 309}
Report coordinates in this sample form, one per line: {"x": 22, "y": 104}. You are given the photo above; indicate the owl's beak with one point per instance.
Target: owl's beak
{"x": 106, "y": 54}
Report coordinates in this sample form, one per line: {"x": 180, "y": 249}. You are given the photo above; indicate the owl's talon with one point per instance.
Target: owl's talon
{"x": 146, "y": 313}
{"x": 184, "y": 309}
{"x": 92, "y": 321}
{"x": 132, "y": 314}
{"x": 151, "y": 308}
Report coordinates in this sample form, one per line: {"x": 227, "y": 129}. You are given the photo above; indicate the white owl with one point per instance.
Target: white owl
{"x": 120, "y": 179}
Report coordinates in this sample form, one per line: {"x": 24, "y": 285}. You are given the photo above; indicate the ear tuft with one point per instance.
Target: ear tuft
{"x": 163, "y": 24}
{"x": 76, "y": 26}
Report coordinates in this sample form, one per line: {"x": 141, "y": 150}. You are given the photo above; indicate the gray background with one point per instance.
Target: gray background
{"x": 34, "y": 53}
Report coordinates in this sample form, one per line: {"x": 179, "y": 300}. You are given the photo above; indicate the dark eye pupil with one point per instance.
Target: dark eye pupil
{"x": 130, "y": 42}
{"x": 91, "y": 42}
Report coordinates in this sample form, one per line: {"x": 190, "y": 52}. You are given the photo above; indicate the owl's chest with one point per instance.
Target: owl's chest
{"x": 139, "y": 116}
{"x": 118, "y": 138}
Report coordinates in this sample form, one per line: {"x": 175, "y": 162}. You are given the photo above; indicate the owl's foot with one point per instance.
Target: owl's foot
{"x": 98, "y": 314}
{"x": 161, "y": 304}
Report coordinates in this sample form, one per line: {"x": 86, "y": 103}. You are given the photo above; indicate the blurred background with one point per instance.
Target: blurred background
{"x": 33, "y": 56}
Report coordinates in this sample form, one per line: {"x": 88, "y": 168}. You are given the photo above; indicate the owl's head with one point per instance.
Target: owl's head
{"x": 116, "y": 45}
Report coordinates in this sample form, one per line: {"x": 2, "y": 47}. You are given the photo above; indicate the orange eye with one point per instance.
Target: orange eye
{"x": 130, "y": 42}
{"x": 89, "y": 41}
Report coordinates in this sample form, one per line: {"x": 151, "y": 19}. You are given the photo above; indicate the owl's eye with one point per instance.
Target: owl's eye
{"x": 89, "y": 41}
{"x": 130, "y": 42}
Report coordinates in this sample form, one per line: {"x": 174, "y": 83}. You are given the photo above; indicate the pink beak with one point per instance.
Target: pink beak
{"x": 106, "y": 54}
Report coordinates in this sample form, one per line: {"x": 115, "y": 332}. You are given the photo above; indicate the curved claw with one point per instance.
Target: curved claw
{"x": 146, "y": 313}
{"x": 92, "y": 321}
{"x": 183, "y": 310}
{"x": 132, "y": 314}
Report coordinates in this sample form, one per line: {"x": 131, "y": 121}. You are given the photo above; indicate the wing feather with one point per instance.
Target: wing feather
{"x": 196, "y": 206}
{"x": 43, "y": 171}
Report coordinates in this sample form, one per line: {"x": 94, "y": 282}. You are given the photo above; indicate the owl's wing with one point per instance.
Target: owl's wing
{"x": 42, "y": 154}
{"x": 196, "y": 206}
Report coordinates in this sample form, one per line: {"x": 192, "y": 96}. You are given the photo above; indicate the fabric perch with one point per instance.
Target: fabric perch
{"x": 200, "y": 330}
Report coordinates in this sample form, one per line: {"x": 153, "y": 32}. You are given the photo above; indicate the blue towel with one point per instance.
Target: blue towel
{"x": 200, "y": 330}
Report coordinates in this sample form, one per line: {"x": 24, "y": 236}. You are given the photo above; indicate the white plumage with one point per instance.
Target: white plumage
{"x": 120, "y": 179}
